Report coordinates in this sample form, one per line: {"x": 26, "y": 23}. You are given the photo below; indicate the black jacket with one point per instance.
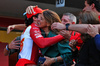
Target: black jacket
{"x": 89, "y": 55}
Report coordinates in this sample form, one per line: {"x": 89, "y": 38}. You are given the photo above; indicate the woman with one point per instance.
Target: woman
{"x": 61, "y": 48}
{"x": 89, "y": 54}
{"x": 94, "y": 32}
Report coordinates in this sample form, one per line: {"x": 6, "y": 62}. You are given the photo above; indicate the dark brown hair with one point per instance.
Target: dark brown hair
{"x": 51, "y": 17}
{"x": 96, "y": 2}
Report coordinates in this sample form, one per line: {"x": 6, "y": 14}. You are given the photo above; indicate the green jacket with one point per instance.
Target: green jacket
{"x": 57, "y": 49}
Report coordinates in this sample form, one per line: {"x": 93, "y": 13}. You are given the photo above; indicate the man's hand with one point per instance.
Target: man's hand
{"x": 30, "y": 9}
{"x": 10, "y": 28}
{"x": 92, "y": 30}
{"x": 58, "y": 26}
{"x": 66, "y": 34}
{"x": 73, "y": 44}
{"x": 14, "y": 44}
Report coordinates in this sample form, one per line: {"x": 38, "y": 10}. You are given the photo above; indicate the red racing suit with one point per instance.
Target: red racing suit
{"x": 31, "y": 41}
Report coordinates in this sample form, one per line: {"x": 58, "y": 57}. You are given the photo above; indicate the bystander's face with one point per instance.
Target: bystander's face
{"x": 65, "y": 19}
{"x": 87, "y": 7}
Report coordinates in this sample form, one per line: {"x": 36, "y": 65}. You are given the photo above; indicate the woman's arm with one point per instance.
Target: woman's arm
{"x": 50, "y": 61}
{"x": 65, "y": 51}
{"x": 82, "y": 28}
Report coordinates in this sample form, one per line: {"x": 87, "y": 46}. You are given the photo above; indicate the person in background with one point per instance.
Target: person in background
{"x": 69, "y": 18}
{"x": 13, "y": 47}
{"x": 89, "y": 47}
{"x": 94, "y": 32}
{"x": 92, "y": 5}
{"x": 87, "y": 56}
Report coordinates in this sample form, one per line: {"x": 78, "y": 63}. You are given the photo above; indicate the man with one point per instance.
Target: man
{"x": 69, "y": 18}
{"x": 31, "y": 40}
{"x": 92, "y": 5}
{"x": 13, "y": 47}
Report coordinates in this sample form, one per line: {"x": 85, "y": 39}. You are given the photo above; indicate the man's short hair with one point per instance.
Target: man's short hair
{"x": 72, "y": 17}
{"x": 29, "y": 21}
{"x": 96, "y": 2}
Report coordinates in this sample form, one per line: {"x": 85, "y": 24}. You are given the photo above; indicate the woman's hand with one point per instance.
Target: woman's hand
{"x": 48, "y": 61}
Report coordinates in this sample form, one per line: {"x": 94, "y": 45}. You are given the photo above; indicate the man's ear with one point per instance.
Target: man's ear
{"x": 93, "y": 6}
{"x": 34, "y": 18}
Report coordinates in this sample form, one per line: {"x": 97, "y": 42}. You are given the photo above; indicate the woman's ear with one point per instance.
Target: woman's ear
{"x": 93, "y": 6}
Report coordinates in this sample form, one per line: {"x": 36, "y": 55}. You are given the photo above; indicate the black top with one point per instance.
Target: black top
{"x": 89, "y": 54}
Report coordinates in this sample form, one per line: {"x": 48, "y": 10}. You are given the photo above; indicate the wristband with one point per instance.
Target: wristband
{"x": 67, "y": 25}
{"x": 7, "y": 48}
{"x": 55, "y": 59}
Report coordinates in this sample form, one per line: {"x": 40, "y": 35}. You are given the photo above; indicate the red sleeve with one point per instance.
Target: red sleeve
{"x": 77, "y": 36}
{"x": 40, "y": 40}
{"x": 99, "y": 18}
